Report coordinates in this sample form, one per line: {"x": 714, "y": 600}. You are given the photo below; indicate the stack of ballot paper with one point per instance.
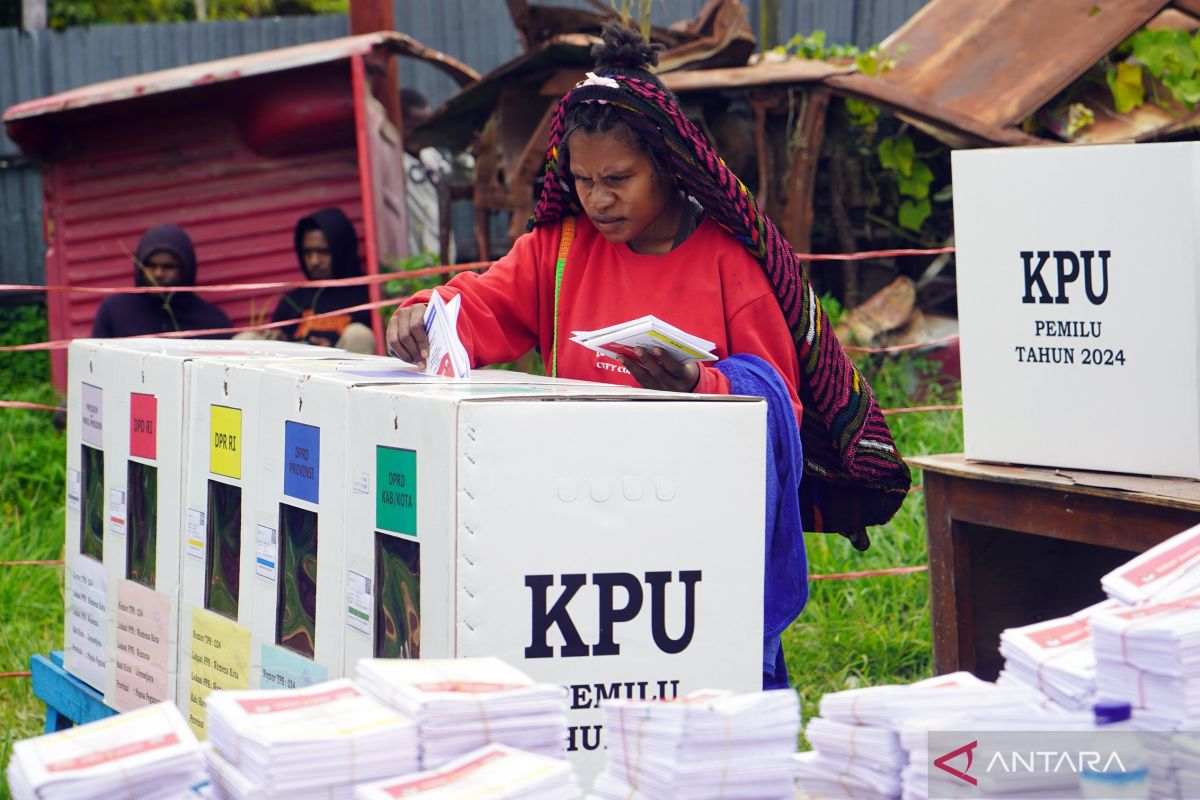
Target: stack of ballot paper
{"x": 1055, "y": 657}
{"x": 148, "y": 753}
{"x": 495, "y": 772}
{"x": 1164, "y": 572}
{"x": 858, "y": 752}
{"x": 447, "y": 356}
{"x": 708, "y": 744}
{"x": 463, "y": 704}
{"x": 1149, "y": 654}
{"x": 646, "y": 332}
{"x": 299, "y": 743}
{"x": 850, "y": 760}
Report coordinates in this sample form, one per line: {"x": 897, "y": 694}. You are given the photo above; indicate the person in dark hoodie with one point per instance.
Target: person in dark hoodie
{"x": 165, "y": 258}
{"x": 327, "y": 247}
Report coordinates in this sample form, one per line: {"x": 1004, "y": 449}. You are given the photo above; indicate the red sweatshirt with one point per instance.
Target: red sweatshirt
{"x": 709, "y": 286}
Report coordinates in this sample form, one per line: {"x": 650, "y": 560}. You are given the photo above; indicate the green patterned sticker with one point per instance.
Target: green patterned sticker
{"x": 396, "y": 490}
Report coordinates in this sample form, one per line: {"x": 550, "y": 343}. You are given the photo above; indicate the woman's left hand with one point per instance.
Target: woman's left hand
{"x": 654, "y": 368}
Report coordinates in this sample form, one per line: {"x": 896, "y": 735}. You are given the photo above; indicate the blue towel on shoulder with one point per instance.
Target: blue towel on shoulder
{"x": 786, "y": 573}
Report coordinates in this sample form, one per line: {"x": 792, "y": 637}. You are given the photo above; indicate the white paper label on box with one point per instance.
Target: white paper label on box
{"x": 73, "y": 490}
{"x": 195, "y": 533}
{"x": 358, "y": 602}
{"x": 362, "y": 483}
{"x": 91, "y": 421}
{"x": 266, "y": 553}
{"x": 87, "y": 610}
{"x": 116, "y": 511}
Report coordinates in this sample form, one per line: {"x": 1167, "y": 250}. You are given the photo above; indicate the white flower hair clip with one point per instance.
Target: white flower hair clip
{"x": 595, "y": 80}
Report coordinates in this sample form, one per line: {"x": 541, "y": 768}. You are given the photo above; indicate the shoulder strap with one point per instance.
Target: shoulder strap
{"x": 564, "y": 248}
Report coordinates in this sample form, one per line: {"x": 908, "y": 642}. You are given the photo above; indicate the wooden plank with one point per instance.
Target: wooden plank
{"x": 1177, "y": 493}
{"x": 949, "y": 581}
{"x": 69, "y": 697}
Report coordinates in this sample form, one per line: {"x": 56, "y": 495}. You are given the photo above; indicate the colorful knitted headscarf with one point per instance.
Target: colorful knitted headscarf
{"x": 853, "y": 474}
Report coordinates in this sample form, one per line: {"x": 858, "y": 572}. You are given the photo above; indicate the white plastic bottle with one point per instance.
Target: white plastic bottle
{"x": 1114, "y": 733}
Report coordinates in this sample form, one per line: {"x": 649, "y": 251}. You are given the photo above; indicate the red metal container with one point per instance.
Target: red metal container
{"x": 234, "y": 151}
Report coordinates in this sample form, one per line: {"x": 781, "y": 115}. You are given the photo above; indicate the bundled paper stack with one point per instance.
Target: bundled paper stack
{"x": 1055, "y": 658}
{"x": 148, "y": 753}
{"x": 462, "y": 704}
{"x": 646, "y": 332}
{"x": 495, "y": 772}
{"x": 857, "y": 749}
{"x": 706, "y": 745}
{"x": 1166, "y": 571}
{"x": 300, "y": 743}
{"x": 1150, "y": 655}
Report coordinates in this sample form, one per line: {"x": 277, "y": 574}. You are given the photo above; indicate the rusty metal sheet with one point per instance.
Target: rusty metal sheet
{"x": 455, "y": 121}
{"x": 226, "y": 69}
{"x": 767, "y": 73}
{"x": 997, "y": 62}
{"x": 946, "y": 124}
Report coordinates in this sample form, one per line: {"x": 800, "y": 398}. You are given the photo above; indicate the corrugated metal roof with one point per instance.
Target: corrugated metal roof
{"x": 232, "y": 68}
{"x": 997, "y": 62}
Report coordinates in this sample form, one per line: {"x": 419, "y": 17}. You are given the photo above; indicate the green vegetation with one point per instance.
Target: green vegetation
{"x": 853, "y": 632}
{"x": 32, "y": 480}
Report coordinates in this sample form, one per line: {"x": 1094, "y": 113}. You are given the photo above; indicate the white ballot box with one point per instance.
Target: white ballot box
{"x": 222, "y": 546}
{"x": 1077, "y": 302}
{"x": 299, "y": 517}
{"x": 86, "y": 650}
{"x": 604, "y": 538}
{"x": 144, "y": 408}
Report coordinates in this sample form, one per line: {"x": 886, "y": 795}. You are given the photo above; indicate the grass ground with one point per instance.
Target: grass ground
{"x": 853, "y": 632}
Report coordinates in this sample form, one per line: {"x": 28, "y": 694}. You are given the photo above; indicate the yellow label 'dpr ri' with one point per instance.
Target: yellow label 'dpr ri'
{"x": 225, "y": 443}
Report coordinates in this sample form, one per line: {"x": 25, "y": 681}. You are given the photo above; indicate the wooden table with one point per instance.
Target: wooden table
{"x": 1013, "y": 545}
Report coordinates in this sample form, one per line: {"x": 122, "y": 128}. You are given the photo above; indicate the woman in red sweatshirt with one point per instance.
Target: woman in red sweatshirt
{"x": 638, "y": 215}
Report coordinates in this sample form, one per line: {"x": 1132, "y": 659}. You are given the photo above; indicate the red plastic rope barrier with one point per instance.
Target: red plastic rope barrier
{"x": 31, "y": 406}
{"x": 60, "y": 344}
{"x": 853, "y": 348}
{"x": 870, "y": 573}
{"x": 57, "y": 563}
{"x": 383, "y": 277}
{"x": 360, "y": 280}
{"x": 868, "y": 254}
{"x": 15, "y": 674}
{"x": 914, "y": 409}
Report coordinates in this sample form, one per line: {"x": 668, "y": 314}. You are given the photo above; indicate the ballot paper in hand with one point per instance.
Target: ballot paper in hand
{"x": 447, "y": 356}
{"x": 646, "y": 332}
{"x": 150, "y": 752}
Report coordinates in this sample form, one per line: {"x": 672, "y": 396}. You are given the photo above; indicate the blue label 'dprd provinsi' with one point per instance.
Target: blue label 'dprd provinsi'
{"x": 301, "y": 461}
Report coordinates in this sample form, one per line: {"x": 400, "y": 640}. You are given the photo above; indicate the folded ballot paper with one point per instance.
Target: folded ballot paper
{"x": 298, "y": 743}
{"x": 447, "y": 356}
{"x": 709, "y": 744}
{"x": 462, "y": 704}
{"x": 1164, "y": 572}
{"x": 646, "y": 332}
{"x": 495, "y": 772}
{"x": 147, "y": 753}
{"x": 1055, "y": 657}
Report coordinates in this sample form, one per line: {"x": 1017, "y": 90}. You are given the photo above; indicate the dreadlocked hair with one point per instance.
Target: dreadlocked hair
{"x": 621, "y": 53}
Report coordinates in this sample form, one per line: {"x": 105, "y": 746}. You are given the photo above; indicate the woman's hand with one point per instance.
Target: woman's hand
{"x": 654, "y": 368}
{"x": 406, "y": 337}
